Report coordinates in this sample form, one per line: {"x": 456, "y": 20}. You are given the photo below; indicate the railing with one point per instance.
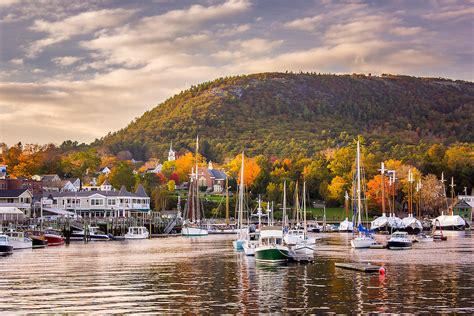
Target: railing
{"x": 18, "y": 205}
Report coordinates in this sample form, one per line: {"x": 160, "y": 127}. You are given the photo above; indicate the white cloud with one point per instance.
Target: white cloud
{"x": 305, "y": 24}
{"x": 66, "y": 60}
{"x": 406, "y": 31}
{"x": 451, "y": 13}
{"x": 17, "y": 61}
{"x": 83, "y": 23}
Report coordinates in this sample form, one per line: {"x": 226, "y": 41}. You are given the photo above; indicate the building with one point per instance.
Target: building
{"x": 35, "y": 187}
{"x": 3, "y": 171}
{"x": 98, "y": 203}
{"x": 105, "y": 170}
{"x": 465, "y": 207}
{"x": 18, "y": 198}
{"x": 212, "y": 179}
{"x": 156, "y": 169}
{"x": 171, "y": 153}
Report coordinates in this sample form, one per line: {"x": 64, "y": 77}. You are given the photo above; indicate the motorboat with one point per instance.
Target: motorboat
{"x": 399, "y": 241}
{"x": 346, "y": 226}
{"x": 194, "y": 231}
{"x": 5, "y": 247}
{"x": 93, "y": 234}
{"x": 53, "y": 237}
{"x": 271, "y": 248}
{"x": 137, "y": 232}
{"x": 19, "y": 241}
{"x": 424, "y": 238}
{"x": 39, "y": 241}
{"x": 362, "y": 241}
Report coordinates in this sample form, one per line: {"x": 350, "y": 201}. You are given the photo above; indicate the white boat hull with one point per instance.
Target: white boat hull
{"x": 362, "y": 242}
{"x": 194, "y": 231}
{"x": 249, "y": 247}
{"x": 306, "y": 249}
{"x": 19, "y": 244}
{"x": 346, "y": 226}
{"x": 134, "y": 236}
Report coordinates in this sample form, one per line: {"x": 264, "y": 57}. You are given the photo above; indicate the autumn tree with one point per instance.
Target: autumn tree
{"x": 122, "y": 174}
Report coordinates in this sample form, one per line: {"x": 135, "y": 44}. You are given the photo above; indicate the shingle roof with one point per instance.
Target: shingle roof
{"x": 216, "y": 174}
{"x": 11, "y": 193}
{"x": 141, "y": 191}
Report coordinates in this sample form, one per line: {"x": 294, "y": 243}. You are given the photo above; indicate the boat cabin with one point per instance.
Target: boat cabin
{"x": 4, "y": 240}
{"x": 271, "y": 235}
{"x": 137, "y": 230}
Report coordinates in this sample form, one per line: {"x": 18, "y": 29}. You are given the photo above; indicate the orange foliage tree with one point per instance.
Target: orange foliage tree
{"x": 251, "y": 169}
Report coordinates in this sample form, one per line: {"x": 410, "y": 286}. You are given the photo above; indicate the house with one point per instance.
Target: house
{"x": 156, "y": 169}
{"x": 51, "y": 182}
{"x": 212, "y": 179}
{"x": 105, "y": 170}
{"x": 106, "y": 186}
{"x": 99, "y": 203}
{"x": 19, "y": 198}
{"x": 35, "y": 187}
{"x": 76, "y": 184}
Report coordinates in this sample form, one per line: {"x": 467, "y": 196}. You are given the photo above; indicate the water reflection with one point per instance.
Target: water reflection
{"x": 205, "y": 275}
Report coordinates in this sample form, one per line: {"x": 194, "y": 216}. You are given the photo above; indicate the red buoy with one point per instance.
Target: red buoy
{"x": 382, "y": 271}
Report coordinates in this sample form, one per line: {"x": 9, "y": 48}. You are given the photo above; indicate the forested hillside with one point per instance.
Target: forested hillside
{"x": 289, "y": 115}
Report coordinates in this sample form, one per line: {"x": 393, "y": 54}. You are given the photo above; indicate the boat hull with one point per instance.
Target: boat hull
{"x": 360, "y": 243}
{"x": 54, "y": 240}
{"x": 76, "y": 236}
{"x": 6, "y": 250}
{"x": 304, "y": 249}
{"x": 17, "y": 244}
{"x": 39, "y": 242}
{"x": 399, "y": 245}
{"x": 238, "y": 244}
{"x": 272, "y": 254}
{"x": 249, "y": 247}
{"x": 133, "y": 236}
{"x": 194, "y": 231}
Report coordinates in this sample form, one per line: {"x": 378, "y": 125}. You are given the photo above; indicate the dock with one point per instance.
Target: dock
{"x": 363, "y": 267}
{"x": 377, "y": 246}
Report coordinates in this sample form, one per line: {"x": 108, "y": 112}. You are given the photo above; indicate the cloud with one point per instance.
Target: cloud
{"x": 83, "y": 23}
{"x": 451, "y": 13}
{"x": 17, "y": 61}
{"x": 66, "y": 60}
{"x": 305, "y": 24}
{"x": 258, "y": 45}
{"x": 406, "y": 31}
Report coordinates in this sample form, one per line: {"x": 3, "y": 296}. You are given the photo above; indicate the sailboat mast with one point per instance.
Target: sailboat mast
{"x": 284, "y": 204}
{"x": 359, "y": 204}
{"x": 297, "y": 204}
{"x": 346, "y": 204}
{"x": 304, "y": 210}
{"x": 382, "y": 171}
{"x": 227, "y": 215}
{"x": 241, "y": 194}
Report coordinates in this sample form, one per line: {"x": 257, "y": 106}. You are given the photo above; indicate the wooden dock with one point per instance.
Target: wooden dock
{"x": 377, "y": 246}
{"x": 363, "y": 267}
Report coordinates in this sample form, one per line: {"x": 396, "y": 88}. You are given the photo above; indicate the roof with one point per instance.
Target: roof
{"x": 49, "y": 177}
{"x": 106, "y": 182}
{"x": 141, "y": 191}
{"x": 72, "y": 179}
{"x": 217, "y": 174}
{"x": 12, "y": 193}
{"x": 10, "y": 210}
{"x": 462, "y": 204}
{"x": 79, "y": 194}
{"x": 123, "y": 191}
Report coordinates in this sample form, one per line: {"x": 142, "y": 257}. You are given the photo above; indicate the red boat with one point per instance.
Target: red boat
{"x": 54, "y": 238}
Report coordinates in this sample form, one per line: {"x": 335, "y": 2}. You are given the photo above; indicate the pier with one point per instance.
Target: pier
{"x": 362, "y": 267}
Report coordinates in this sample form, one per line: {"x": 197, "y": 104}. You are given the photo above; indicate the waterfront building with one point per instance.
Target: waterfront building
{"x": 212, "y": 179}
{"x": 18, "y": 198}
{"x": 98, "y": 203}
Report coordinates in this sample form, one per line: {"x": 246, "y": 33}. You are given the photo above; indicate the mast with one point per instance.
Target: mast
{"x": 227, "y": 215}
{"x": 444, "y": 189}
{"x": 359, "y": 204}
{"x": 410, "y": 201}
{"x": 297, "y": 205}
{"x": 346, "y": 204}
{"x": 284, "y": 204}
{"x": 241, "y": 195}
{"x": 452, "y": 185}
{"x": 382, "y": 171}
{"x": 304, "y": 210}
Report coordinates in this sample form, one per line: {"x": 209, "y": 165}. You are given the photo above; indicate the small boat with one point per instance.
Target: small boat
{"x": 346, "y": 226}
{"x": 424, "y": 238}
{"x": 53, "y": 237}
{"x": 271, "y": 248}
{"x": 19, "y": 241}
{"x": 399, "y": 241}
{"x": 5, "y": 247}
{"x": 194, "y": 231}
{"x": 412, "y": 225}
{"x": 251, "y": 243}
{"x": 38, "y": 241}
{"x": 362, "y": 241}
{"x": 94, "y": 235}
{"x": 138, "y": 232}
{"x": 449, "y": 222}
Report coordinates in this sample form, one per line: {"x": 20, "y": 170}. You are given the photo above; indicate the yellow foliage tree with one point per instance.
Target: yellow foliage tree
{"x": 251, "y": 169}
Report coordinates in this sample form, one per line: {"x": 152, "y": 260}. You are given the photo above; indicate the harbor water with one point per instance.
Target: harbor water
{"x": 206, "y": 274}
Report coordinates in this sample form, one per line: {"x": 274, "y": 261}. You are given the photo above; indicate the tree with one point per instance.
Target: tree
{"x": 251, "y": 169}
{"x": 337, "y": 188}
{"x": 168, "y": 168}
{"x": 122, "y": 174}
{"x": 171, "y": 186}
{"x": 433, "y": 201}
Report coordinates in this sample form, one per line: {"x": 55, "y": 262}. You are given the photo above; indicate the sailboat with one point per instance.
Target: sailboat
{"x": 346, "y": 225}
{"x": 295, "y": 234}
{"x": 410, "y": 223}
{"x": 239, "y": 242}
{"x": 364, "y": 239}
{"x": 307, "y": 245}
{"x": 451, "y": 221}
{"x": 193, "y": 214}
{"x": 251, "y": 239}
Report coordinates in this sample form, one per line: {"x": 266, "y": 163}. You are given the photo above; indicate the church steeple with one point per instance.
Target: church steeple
{"x": 171, "y": 153}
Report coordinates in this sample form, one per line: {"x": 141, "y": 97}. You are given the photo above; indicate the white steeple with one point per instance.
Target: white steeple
{"x": 171, "y": 153}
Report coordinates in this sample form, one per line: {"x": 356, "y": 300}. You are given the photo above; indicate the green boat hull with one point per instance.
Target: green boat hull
{"x": 271, "y": 255}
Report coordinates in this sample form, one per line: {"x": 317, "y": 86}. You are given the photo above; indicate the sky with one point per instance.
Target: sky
{"x": 80, "y": 69}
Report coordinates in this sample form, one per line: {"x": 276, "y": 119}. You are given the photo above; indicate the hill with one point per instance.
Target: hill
{"x": 286, "y": 114}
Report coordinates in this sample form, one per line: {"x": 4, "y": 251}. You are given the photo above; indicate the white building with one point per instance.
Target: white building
{"x": 99, "y": 203}
{"x": 171, "y": 153}
{"x": 20, "y": 199}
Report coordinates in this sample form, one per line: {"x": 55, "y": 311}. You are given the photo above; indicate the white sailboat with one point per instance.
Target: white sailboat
{"x": 193, "y": 224}
{"x": 410, "y": 223}
{"x": 241, "y": 233}
{"x": 251, "y": 239}
{"x": 307, "y": 245}
{"x": 363, "y": 239}
{"x": 451, "y": 221}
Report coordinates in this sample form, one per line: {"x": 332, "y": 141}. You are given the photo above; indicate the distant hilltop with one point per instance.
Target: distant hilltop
{"x": 287, "y": 114}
